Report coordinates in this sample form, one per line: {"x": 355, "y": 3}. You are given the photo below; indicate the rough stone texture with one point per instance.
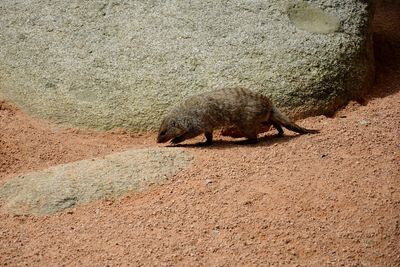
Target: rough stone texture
{"x": 105, "y": 64}
{"x": 67, "y": 185}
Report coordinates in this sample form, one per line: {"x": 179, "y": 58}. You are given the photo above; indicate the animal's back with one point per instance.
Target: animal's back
{"x": 227, "y": 106}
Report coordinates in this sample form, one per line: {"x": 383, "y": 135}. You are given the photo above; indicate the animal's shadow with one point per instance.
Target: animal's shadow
{"x": 263, "y": 141}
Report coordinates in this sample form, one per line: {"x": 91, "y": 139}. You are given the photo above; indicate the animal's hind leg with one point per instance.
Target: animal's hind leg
{"x": 249, "y": 128}
{"x": 251, "y": 135}
{"x": 279, "y": 128}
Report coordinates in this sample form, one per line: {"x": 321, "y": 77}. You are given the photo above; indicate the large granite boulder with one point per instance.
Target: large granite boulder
{"x": 80, "y": 182}
{"x": 105, "y": 64}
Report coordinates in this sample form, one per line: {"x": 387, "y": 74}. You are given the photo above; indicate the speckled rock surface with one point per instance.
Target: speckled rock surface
{"x": 106, "y": 64}
{"x": 67, "y": 185}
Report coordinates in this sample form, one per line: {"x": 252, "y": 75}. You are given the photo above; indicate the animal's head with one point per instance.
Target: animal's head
{"x": 170, "y": 129}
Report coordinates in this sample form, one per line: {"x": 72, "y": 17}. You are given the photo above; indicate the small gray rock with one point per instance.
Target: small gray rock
{"x": 65, "y": 186}
{"x": 364, "y": 122}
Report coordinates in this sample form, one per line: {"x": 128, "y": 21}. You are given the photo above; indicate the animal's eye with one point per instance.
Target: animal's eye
{"x": 173, "y": 123}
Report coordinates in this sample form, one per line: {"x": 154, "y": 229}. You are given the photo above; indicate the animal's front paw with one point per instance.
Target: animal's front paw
{"x": 177, "y": 140}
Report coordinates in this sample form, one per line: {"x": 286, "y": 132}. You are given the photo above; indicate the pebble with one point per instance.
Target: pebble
{"x": 364, "y": 122}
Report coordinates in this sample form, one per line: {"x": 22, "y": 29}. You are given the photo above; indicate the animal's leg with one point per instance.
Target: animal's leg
{"x": 249, "y": 133}
{"x": 178, "y": 139}
{"x": 251, "y": 138}
{"x": 209, "y": 138}
{"x": 279, "y": 128}
{"x": 187, "y": 135}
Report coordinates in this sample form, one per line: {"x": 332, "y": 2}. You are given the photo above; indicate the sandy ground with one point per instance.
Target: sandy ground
{"x": 329, "y": 199}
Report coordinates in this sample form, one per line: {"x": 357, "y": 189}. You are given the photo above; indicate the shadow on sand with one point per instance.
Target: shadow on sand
{"x": 263, "y": 141}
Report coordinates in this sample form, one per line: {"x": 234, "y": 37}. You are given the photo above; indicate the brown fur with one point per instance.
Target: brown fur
{"x": 240, "y": 108}
{"x": 234, "y": 132}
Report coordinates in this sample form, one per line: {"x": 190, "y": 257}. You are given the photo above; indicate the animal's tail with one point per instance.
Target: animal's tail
{"x": 281, "y": 119}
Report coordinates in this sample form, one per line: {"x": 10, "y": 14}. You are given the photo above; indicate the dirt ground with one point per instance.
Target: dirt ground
{"x": 329, "y": 199}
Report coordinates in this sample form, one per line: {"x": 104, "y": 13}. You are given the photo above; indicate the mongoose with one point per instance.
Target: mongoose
{"x": 239, "y": 107}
